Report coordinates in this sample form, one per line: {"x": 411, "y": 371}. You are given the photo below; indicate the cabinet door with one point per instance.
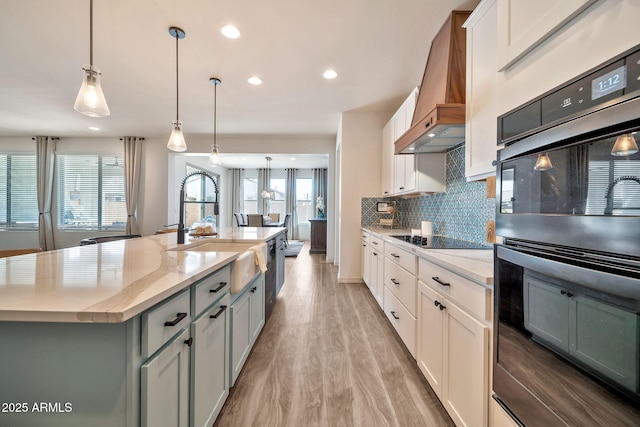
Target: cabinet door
{"x": 399, "y": 185}
{"x": 430, "y": 340}
{"x": 379, "y": 285}
{"x": 482, "y": 90}
{"x": 387, "y": 159}
{"x": 240, "y": 335}
{"x": 366, "y": 260}
{"x": 375, "y": 275}
{"x": 256, "y": 308}
{"x": 409, "y": 172}
{"x": 165, "y": 386}
{"x": 465, "y": 389}
{"x": 209, "y": 362}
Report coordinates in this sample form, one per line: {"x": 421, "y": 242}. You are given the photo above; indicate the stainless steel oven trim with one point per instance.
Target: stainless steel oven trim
{"x": 612, "y": 117}
{"x": 622, "y": 286}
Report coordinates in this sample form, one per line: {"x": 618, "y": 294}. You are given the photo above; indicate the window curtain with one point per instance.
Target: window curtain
{"x": 45, "y": 162}
{"x": 320, "y": 188}
{"x": 290, "y": 202}
{"x": 263, "y": 182}
{"x": 132, "y": 160}
{"x": 236, "y": 176}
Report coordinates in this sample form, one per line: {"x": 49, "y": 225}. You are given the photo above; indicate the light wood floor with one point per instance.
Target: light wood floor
{"x": 328, "y": 357}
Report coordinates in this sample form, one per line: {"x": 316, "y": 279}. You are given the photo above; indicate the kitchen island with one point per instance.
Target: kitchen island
{"x": 116, "y": 334}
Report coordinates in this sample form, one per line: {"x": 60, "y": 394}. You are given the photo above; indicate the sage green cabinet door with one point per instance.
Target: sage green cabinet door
{"x": 209, "y": 362}
{"x": 165, "y": 386}
{"x": 240, "y": 335}
{"x": 256, "y": 310}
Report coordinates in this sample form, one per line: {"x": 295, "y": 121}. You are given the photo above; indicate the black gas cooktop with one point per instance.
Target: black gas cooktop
{"x": 440, "y": 242}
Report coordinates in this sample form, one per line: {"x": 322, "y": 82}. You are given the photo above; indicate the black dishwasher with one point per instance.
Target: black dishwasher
{"x": 270, "y": 279}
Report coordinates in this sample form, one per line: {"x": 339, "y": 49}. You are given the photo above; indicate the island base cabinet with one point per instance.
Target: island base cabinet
{"x": 453, "y": 355}
{"x": 69, "y": 374}
{"x": 165, "y": 386}
{"x": 256, "y": 309}
{"x": 209, "y": 362}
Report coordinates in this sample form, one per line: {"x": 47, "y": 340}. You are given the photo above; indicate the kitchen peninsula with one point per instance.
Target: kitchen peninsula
{"x": 104, "y": 334}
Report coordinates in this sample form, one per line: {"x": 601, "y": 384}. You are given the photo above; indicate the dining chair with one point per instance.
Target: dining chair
{"x": 255, "y": 220}
{"x": 275, "y": 217}
{"x": 239, "y": 220}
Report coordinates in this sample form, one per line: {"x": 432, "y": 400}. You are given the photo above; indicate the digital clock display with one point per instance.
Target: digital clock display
{"x": 610, "y": 82}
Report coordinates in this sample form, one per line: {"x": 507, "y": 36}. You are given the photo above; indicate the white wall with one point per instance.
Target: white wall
{"x": 360, "y": 149}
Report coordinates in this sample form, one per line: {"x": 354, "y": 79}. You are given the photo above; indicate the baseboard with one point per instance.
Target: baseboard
{"x": 350, "y": 280}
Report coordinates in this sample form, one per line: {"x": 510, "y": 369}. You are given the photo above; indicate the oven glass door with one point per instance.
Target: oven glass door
{"x": 568, "y": 341}
{"x": 595, "y": 177}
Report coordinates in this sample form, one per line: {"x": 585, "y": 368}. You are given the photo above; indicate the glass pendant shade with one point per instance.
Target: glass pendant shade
{"x": 176, "y": 140}
{"x": 267, "y": 194}
{"x": 625, "y": 145}
{"x": 90, "y": 100}
{"x": 543, "y": 163}
{"x": 214, "y": 157}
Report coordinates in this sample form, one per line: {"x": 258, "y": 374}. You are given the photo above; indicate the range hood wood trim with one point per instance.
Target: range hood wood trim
{"x": 442, "y": 92}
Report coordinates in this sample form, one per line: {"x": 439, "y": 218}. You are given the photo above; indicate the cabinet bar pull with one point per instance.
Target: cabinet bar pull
{"x": 189, "y": 342}
{"x": 393, "y": 313}
{"x": 222, "y": 285}
{"x": 253, "y": 290}
{"x": 374, "y": 254}
{"x": 395, "y": 255}
{"x": 222, "y": 309}
{"x": 177, "y": 320}
{"x": 375, "y": 243}
{"x": 395, "y": 282}
{"x": 437, "y": 279}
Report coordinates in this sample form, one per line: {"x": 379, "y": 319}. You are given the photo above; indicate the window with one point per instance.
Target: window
{"x": 250, "y": 196}
{"x": 91, "y": 192}
{"x": 200, "y": 188}
{"x": 304, "y": 205}
{"x": 18, "y": 191}
{"x": 277, "y": 204}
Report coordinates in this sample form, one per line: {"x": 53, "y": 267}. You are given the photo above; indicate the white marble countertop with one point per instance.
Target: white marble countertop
{"x": 110, "y": 282}
{"x": 474, "y": 264}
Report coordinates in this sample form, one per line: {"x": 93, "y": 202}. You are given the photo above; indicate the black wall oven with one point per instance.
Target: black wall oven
{"x": 567, "y": 275}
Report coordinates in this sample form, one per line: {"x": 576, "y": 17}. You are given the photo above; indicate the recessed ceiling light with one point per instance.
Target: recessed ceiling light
{"x": 255, "y": 80}
{"x": 330, "y": 74}
{"x": 230, "y": 31}
{"x": 412, "y": 148}
{"x": 431, "y": 135}
{"x": 293, "y": 158}
{"x": 93, "y": 128}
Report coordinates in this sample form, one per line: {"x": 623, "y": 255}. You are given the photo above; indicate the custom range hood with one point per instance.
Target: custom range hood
{"x": 438, "y": 120}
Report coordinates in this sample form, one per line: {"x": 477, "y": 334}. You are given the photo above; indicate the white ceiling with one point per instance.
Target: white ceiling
{"x": 279, "y": 161}
{"x": 378, "y": 47}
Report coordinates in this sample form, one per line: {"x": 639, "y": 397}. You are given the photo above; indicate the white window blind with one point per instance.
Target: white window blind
{"x": 18, "y": 191}
{"x": 250, "y": 196}
{"x": 91, "y": 192}
{"x": 626, "y": 194}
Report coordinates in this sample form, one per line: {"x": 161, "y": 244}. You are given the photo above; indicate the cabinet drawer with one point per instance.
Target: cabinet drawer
{"x": 163, "y": 321}
{"x": 403, "y": 322}
{"x": 365, "y": 237}
{"x": 209, "y": 289}
{"x": 280, "y": 240}
{"x": 405, "y": 259}
{"x": 376, "y": 243}
{"x": 474, "y": 298}
{"x": 401, "y": 283}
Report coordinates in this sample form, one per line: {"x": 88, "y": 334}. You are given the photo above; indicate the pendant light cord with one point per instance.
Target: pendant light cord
{"x": 215, "y": 114}
{"x": 177, "y": 87}
{"x": 91, "y": 35}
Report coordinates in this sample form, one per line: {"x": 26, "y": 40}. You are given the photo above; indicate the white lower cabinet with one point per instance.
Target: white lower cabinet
{"x": 373, "y": 265}
{"x": 209, "y": 357}
{"x": 403, "y": 321}
{"x": 453, "y": 348}
{"x": 247, "y": 320}
{"x": 165, "y": 385}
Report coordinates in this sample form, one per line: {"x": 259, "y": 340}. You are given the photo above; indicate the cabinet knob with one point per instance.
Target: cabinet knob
{"x": 189, "y": 342}
{"x": 494, "y": 163}
{"x": 401, "y": 188}
{"x": 253, "y": 290}
{"x": 436, "y": 303}
{"x": 175, "y": 321}
{"x": 442, "y": 307}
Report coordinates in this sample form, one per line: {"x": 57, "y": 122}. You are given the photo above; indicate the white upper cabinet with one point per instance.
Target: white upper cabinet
{"x": 387, "y": 159}
{"x": 482, "y": 92}
{"x": 523, "y": 25}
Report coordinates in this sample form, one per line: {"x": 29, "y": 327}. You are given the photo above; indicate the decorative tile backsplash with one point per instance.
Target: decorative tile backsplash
{"x": 462, "y": 212}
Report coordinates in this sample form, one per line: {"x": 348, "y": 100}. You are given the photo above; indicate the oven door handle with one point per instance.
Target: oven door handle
{"x": 623, "y": 286}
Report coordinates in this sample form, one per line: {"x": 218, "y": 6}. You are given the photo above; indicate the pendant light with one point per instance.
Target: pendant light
{"x": 90, "y": 100}
{"x": 543, "y": 163}
{"x": 214, "y": 157}
{"x": 266, "y": 193}
{"x": 176, "y": 140}
{"x": 625, "y": 145}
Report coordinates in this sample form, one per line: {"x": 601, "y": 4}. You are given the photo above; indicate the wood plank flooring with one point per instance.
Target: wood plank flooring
{"x": 328, "y": 357}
